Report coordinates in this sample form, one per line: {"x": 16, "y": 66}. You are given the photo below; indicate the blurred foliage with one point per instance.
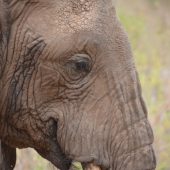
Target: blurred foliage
{"x": 148, "y": 25}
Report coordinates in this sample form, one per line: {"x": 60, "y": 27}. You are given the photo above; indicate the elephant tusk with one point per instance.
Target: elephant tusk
{"x": 76, "y": 166}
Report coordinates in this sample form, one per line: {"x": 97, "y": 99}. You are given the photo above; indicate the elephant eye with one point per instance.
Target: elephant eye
{"x": 79, "y": 65}
{"x": 82, "y": 66}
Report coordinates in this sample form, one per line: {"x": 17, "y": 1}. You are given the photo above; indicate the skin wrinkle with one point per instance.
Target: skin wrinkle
{"x": 18, "y": 12}
{"x": 19, "y": 27}
{"x": 82, "y": 107}
{"x": 4, "y": 35}
{"x": 13, "y": 55}
{"x": 135, "y": 143}
{"x": 61, "y": 138}
{"x": 13, "y": 134}
{"x": 105, "y": 133}
{"x": 130, "y": 155}
{"x": 67, "y": 127}
{"x": 36, "y": 138}
{"x": 106, "y": 155}
{"x": 24, "y": 72}
{"x": 131, "y": 130}
{"x": 112, "y": 143}
{"x": 117, "y": 132}
{"x": 33, "y": 90}
{"x": 73, "y": 106}
{"x": 115, "y": 166}
{"x": 17, "y": 8}
{"x": 83, "y": 88}
{"x": 18, "y": 68}
{"x": 29, "y": 39}
{"x": 80, "y": 121}
{"x": 66, "y": 111}
{"x": 39, "y": 53}
{"x": 78, "y": 125}
{"x": 76, "y": 85}
{"x": 27, "y": 53}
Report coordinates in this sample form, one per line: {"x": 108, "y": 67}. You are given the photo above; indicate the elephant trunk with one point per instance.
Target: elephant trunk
{"x": 134, "y": 148}
{"x": 132, "y": 144}
{"x": 131, "y": 137}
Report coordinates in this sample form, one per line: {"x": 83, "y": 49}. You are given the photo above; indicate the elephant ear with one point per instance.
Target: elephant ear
{"x": 4, "y": 33}
{"x": 7, "y": 157}
{"x": 7, "y": 154}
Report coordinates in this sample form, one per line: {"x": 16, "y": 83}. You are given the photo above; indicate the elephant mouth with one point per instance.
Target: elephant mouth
{"x": 76, "y": 165}
{"x": 64, "y": 161}
{"x": 69, "y": 164}
{"x": 86, "y": 163}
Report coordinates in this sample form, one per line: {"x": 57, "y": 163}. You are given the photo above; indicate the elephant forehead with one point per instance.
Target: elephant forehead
{"x": 66, "y": 18}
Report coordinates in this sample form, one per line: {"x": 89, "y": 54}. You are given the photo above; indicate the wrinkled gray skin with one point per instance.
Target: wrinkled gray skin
{"x": 69, "y": 87}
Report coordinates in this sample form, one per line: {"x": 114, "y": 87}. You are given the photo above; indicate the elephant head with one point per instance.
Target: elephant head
{"x": 69, "y": 87}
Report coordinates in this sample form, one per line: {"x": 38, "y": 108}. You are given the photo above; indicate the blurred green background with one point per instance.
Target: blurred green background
{"x": 148, "y": 25}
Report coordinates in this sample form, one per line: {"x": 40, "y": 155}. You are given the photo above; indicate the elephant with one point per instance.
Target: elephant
{"x": 69, "y": 87}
